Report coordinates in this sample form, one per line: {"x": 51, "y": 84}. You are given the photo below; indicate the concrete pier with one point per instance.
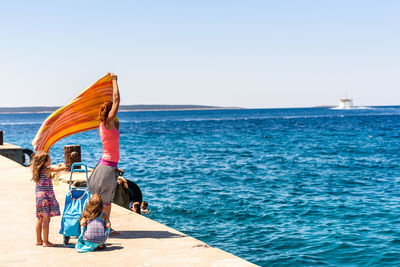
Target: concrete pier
{"x": 142, "y": 242}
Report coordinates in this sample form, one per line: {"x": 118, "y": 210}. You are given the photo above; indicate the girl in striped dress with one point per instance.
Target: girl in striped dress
{"x": 96, "y": 226}
{"x": 46, "y": 202}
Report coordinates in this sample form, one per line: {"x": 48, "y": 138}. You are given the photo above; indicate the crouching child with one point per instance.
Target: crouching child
{"x": 96, "y": 226}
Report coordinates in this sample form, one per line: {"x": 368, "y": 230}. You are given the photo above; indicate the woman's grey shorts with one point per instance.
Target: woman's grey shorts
{"x": 103, "y": 181}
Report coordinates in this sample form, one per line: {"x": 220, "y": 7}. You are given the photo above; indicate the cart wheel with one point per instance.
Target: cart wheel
{"x": 66, "y": 240}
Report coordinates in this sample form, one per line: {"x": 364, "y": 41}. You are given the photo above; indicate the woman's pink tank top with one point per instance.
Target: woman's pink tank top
{"x": 110, "y": 142}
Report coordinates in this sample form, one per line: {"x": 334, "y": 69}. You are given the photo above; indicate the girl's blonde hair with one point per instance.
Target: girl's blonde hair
{"x": 37, "y": 164}
{"x": 93, "y": 208}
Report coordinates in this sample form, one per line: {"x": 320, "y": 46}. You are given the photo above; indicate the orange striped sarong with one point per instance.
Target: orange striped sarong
{"x": 80, "y": 115}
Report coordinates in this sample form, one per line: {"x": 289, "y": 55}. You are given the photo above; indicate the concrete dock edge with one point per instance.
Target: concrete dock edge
{"x": 143, "y": 242}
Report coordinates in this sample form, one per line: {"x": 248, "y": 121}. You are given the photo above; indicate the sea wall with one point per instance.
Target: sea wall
{"x": 12, "y": 152}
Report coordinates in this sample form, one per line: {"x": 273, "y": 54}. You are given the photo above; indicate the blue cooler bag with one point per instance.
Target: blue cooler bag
{"x": 75, "y": 202}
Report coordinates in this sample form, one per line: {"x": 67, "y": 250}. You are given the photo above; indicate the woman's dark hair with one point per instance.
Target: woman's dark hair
{"x": 104, "y": 110}
{"x": 136, "y": 207}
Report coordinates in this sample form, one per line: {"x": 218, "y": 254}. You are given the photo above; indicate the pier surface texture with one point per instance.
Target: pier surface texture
{"x": 142, "y": 242}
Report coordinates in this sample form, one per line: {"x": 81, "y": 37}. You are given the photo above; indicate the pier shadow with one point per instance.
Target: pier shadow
{"x": 111, "y": 248}
{"x": 147, "y": 234}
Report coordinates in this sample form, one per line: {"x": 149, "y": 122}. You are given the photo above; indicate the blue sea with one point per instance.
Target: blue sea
{"x": 311, "y": 186}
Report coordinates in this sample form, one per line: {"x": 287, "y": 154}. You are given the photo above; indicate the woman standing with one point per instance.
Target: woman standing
{"x": 103, "y": 180}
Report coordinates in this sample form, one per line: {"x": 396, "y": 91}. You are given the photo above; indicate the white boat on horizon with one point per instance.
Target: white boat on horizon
{"x": 345, "y": 103}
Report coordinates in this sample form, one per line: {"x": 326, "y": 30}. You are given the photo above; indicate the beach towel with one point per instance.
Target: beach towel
{"x": 80, "y": 115}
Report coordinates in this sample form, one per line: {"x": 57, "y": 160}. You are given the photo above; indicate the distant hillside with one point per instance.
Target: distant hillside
{"x": 122, "y": 108}
{"x": 28, "y": 109}
{"x": 166, "y": 107}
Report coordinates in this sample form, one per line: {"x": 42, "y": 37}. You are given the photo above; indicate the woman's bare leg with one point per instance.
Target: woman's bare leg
{"x": 107, "y": 211}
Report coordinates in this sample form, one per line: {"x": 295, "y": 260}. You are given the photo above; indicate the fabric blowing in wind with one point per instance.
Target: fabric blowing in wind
{"x": 80, "y": 115}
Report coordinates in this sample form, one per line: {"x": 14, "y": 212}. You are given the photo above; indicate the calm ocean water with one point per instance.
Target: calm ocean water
{"x": 274, "y": 186}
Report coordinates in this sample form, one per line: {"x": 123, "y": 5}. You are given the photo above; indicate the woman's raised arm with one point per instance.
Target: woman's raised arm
{"x": 116, "y": 99}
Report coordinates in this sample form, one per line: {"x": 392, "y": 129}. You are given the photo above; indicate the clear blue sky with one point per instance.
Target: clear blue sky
{"x": 228, "y": 53}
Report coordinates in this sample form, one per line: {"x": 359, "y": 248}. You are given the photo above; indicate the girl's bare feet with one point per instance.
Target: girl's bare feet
{"x": 39, "y": 243}
{"x": 48, "y": 244}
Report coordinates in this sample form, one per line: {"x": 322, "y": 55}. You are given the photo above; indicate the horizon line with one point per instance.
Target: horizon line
{"x": 158, "y": 107}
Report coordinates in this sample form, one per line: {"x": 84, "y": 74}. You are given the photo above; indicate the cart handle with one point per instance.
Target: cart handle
{"x": 77, "y": 164}
{"x": 77, "y": 170}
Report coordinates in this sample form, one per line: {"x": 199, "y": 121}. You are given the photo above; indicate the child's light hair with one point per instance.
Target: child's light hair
{"x": 93, "y": 208}
{"x": 37, "y": 164}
